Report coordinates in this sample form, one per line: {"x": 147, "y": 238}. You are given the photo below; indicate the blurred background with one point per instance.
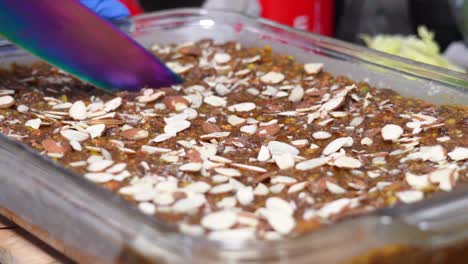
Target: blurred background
{"x": 430, "y": 31}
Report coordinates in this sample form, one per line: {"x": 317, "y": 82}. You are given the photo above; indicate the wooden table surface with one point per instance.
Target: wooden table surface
{"x": 17, "y": 247}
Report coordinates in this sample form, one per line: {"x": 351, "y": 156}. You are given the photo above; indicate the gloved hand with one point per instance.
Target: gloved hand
{"x": 108, "y": 9}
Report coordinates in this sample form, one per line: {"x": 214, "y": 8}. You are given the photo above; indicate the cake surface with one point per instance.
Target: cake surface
{"x": 253, "y": 145}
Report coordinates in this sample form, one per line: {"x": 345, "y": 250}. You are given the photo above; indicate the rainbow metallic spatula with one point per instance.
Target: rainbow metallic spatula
{"x": 71, "y": 37}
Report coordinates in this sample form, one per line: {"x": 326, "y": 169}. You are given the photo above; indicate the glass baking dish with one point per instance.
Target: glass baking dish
{"x": 93, "y": 225}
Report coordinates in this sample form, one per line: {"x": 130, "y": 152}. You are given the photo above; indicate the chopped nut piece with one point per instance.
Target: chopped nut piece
{"x": 417, "y": 182}
{"x": 263, "y": 154}
{"x": 444, "y": 177}
{"x": 284, "y": 161}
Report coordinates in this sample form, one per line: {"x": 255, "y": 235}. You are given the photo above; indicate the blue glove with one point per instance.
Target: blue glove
{"x": 108, "y": 9}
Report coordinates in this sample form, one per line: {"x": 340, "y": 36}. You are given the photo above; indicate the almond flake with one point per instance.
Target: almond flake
{"x": 417, "y": 182}
{"x": 135, "y": 133}
{"x": 222, "y": 58}
{"x": 334, "y": 188}
{"x": 367, "y": 141}
{"x": 432, "y": 153}
{"x": 23, "y": 108}
{"x": 334, "y": 207}
{"x": 219, "y": 220}
{"x": 147, "y": 208}
{"x": 459, "y": 154}
{"x": 272, "y": 78}
{"x": 215, "y": 135}
{"x": 249, "y": 129}
{"x": 75, "y": 135}
{"x": 277, "y": 204}
{"x": 78, "y": 111}
{"x": 391, "y": 132}
{"x": 152, "y": 150}
{"x": 235, "y": 120}
{"x": 215, "y": 101}
{"x": 176, "y": 127}
{"x": 176, "y": 103}
{"x": 99, "y": 177}
{"x": 198, "y": 187}
{"x": 177, "y": 67}
{"x": 283, "y": 179}
{"x": 410, "y": 196}
{"x": 356, "y": 121}
{"x": 245, "y": 195}
{"x": 6, "y": 101}
{"x": 281, "y": 223}
{"x": 337, "y": 144}
{"x": 311, "y": 164}
{"x": 162, "y": 137}
{"x": 297, "y": 187}
{"x": 300, "y": 143}
{"x": 228, "y": 172}
{"x": 51, "y": 146}
{"x": 284, "y": 161}
{"x": 249, "y": 167}
{"x": 313, "y": 68}
{"x": 151, "y": 97}
{"x": 34, "y": 123}
{"x": 263, "y": 154}
{"x": 117, "y": 168}
{"x": 96, "y": 130}
{"x": 444, "y": 177}
{"x": 321, "y": 135}
{"x": 333, "y": 103}
{"x": 76, "y": 145}
{"x": 347, "y": 162}
{"x": 222, "y": 188}
{"x": 279, "y": 148}
{"x": 99, "y": 165}
{"x": 242, "y": 107}
{"x": 191, "y": 167}
{"x": 190, "y": 204}
{"x": 261, "y": 190}
{"x": 296, "y": 95}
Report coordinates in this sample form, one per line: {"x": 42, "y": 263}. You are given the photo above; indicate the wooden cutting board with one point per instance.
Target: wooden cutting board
{"x": 18, "y": 247}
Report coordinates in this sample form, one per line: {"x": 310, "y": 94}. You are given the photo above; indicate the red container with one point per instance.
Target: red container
{"x": 133, "y": 6}
{"x": 311, "y": 15}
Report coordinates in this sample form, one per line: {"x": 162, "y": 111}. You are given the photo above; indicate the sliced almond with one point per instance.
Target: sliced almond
{"x": 245, "y": 195}
{"x": 219, "y": 220}
{"x": 459, "y": 154}
{"x": 34, "y": 123}
{"x": 75, "y": 135}
{"x": 208, "y": 127}
{"x": 334, "y": 207}
{"x": 215, "y": 101}
{"x": 6, "y": 101}
{"x": 410, "y": 196}
{"x": 235, "y": 120}
{"x": 313, "y": 68}
{"x": 96, "y": 130}
{"x": 176, "y": 103}
{"x": 176, "y": 127}
{"x": 391, "y": 132}
{"x": 228, "y": 172}
{"x": 280, "y": 148}
{"x": 420, "y": 182}
{"x": 78, "y": 111}
{"x": 321, "y": 135}
{"x": 311, "y": 164}
{"x": 242, "y": 107}
{"x": 296, "y": 95}
{"x": 150, "y": 97}
{"x": 269, "y": 130}
{"x": 135, "y": 133}
{"x": 99, "y": 165}
{"x": 347, "y": 162}
{"x": 333, "y": 103}
{"x": 272, "y": 78}
{"x": 337, "y": 144}
{"x": 444, "y": 177}
{"x": 152, "y": 150}
{"x": 222, "y": 58}
{"x": 284, "y": 161}
{"x": 191, "y": 167}
{"x": 113, "y": 104}
{"x": 263, "y": 154}
{"x": 334, "y": 188}
{"x": 99, "y": 177}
